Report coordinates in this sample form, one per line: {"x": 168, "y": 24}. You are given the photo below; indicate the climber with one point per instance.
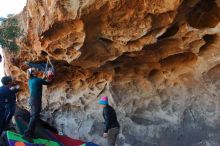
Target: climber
{"x": 111, "y": 123}
{"x": 46, "y": 68}
{"x": 35, "y": 85}
{"x": 7, "y": 101}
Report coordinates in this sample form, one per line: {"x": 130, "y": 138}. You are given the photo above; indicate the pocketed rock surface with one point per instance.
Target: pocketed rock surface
{"x": 157, "y": 60}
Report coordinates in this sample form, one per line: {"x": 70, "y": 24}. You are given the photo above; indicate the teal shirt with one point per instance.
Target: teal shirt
{"x": 35, "y": 85}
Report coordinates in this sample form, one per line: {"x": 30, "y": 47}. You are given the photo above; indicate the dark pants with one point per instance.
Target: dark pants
{"x": 7, "y": 111}
{"x": 34, "y": 117}
{"x": 2, "y": 119}
{"x": 112, "y": 136}
{"x": 40, "y": 66}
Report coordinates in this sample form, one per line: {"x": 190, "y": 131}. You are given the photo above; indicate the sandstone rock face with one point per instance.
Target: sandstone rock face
{"x": 157, "y": 60}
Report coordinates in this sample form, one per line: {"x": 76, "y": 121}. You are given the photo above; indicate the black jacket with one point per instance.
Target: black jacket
{"x": 7, "y": 95}
{"x": 110, "y": 118}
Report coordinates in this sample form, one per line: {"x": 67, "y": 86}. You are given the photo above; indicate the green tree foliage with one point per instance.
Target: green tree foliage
{"x": 9, "y": 31}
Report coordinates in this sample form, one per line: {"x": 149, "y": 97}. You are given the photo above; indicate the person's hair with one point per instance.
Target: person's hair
{"x": 6, "y": 80}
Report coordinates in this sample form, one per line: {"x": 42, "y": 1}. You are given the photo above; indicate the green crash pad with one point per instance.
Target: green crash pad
{"x": 14, "y": 138}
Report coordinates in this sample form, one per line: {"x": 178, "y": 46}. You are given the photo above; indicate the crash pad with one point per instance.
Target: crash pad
{"x": 67, "y": 141}
{"x": 47, "y": 134}
{"x": 15, "y": 139}
{"x": 89, "y": 144}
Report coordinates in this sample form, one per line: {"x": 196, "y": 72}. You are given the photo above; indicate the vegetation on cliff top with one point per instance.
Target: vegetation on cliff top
{"x": 9, "y": 32}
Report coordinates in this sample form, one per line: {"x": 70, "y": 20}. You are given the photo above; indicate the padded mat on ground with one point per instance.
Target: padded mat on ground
{"x": 44, "y": 133}
{"x": 15, "y": 139}
{"x": 89, "y": 144}
{"x": 67, "y": 141}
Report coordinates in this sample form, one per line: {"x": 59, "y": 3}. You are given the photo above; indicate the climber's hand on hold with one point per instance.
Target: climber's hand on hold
{"x": 105, "y": 135}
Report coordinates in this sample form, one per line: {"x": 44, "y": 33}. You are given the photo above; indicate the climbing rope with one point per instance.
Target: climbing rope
{"x": 49, "y": 70}
{"x": 49, "y": 63}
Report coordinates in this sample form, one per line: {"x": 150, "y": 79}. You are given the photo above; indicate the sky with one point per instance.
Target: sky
{"x": 9, "y": 7}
